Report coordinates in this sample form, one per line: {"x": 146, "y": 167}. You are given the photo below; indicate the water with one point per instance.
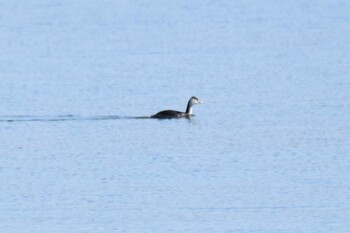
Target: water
{"x": 267, "y": 152}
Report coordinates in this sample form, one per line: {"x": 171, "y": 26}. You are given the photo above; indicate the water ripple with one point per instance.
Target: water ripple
{"x": 28, "y": 118}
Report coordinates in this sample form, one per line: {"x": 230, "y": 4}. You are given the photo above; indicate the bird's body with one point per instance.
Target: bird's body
{"x": 168, "y": 114}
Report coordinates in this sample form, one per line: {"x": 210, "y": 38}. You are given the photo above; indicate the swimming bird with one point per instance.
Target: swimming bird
{"x": 168, "y": 114}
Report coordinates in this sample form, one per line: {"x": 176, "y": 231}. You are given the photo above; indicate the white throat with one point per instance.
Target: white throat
{"x": 190, "y": 111}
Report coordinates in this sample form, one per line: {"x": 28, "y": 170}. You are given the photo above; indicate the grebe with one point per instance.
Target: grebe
{"x": 167, "y": 114}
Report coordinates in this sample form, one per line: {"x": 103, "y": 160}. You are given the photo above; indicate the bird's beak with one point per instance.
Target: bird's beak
{"x": 200, "y": 102}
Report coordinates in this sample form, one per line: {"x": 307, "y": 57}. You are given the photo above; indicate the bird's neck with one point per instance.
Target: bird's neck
{"x": 189, "y": 108}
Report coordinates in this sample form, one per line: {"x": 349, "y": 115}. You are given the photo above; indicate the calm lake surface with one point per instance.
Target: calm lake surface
{"x": 268, "y": 151}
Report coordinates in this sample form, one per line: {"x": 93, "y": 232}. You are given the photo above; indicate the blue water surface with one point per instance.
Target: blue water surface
{"x": 267, "y": 152}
